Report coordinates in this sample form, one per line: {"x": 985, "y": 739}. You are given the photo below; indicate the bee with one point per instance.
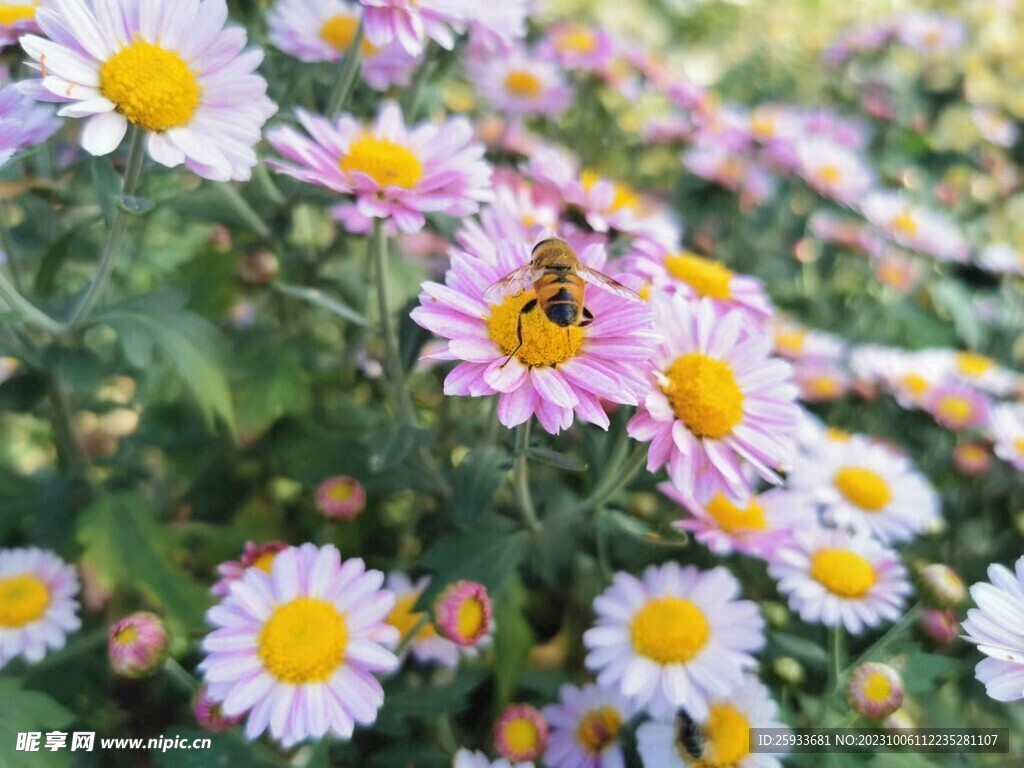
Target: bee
{"x": 689, "y": 736}
{"x": 558, "y": 278}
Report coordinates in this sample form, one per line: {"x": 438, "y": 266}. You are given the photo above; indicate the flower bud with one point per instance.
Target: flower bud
{"x": 941, "y": 587}
{"x": 463, "y": 612}
{"x": 521, "y": 733}
{"x": 788, "y": 670}
{"x": 776, "y": 614}
{"x": 137, "y": 644}
{"x": 898, "y": 721}
{"x": 874, "y": 690}
{"x": 209, "y": 715}
{"x": 940, "y": 627}
{"x": 340, "y": 498}
{"x": 971, "y": 459}
{"x": 258, "y": 268}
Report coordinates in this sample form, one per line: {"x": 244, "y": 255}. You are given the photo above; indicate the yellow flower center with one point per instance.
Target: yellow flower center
{"x": 264, "y": 562}
{"x": 151, "y": 86}
{"x": 340, "y": 492}
{"x": 303, "y": 641}
{"x": 823, "y": 386}
{"x": 972, "y": 364}
{"x": 521, "y": 736}
{"x": 12, "y": 14}
{"x": 972, "y": 452}
{"x": 669, "y": 630}
{"x": 404, "y": 619}
{"x": 914, "y": 383}
{"x": 763, "y": 126}
{"x": 387, "y": 163}
{"x": 544, "y": 342}
{"x": 624, "y": 198}
{"x": 876, "y": 688}
{"x": 576, "y": 40}
{"x": 524, "y": 84}
{"x": 955, "y": 408}
{"x": 1019, "y": 445}
{"x": 704, "y": 395}
{"x": 339, "y": 32}
{"x": 863, "y": 487}
{"x": 733, "y": 519}
{"x": 842, "y": 572}
{"x": 829, "y": 174}
{"x": 127, "y": 636}
{"x": 708, "y": 278}
{"x": 790, "y": 342}
{"x": 905, "y": 223}
{"x": 23, "y": 599}
{"x": 599, "y": 729}
{"x": 470, "y": 618}
{"x": 837, "y": 435}
{"x": 727, "y": 735}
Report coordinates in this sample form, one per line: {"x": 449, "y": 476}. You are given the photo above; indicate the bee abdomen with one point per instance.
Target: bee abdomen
{"x": 563, "y": 314}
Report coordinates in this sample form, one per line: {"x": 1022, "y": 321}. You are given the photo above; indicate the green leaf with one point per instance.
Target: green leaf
{"x": 24, "y": 711}
{"x": 126, "y": 545}
{"x": 193, "y": 346}
{"x": 55, "y": 256}
{"x": 319, "y": 299}
{"x": 475, "y": 482}
{"x": 106, "y": 185}
{"x": 225, "y": 749}
{"x": 513, "y": 640}
{"x": 922, "y": 671}
{"x": 555, "y": 459}
{"x": 800, "y": 648}
{"x": 428, "y": 701}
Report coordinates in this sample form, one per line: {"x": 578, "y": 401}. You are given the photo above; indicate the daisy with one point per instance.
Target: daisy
{"x": 850, "y": 233}
{"x": 521, "y": 732}
{"x": 676, "y": 637}
{"x": 412, "y": 22}
{"x": 795, "y": 342}
{"x": 340, "y": 498}
{"x": 833, "y": 170}
{"x": 699, "y": 277}
{"x": 915, "y": 227}
{"x": 137, "y": 644}
{"x": 37, "y": 604}
{"x": 519, "y": 83}
{"x": 725, "y": 732}
{"x": 394, "y": 172}
{"x": 172, "y": 69}
{"x": 836, "y": 578}
{"x": 1002, "y": 258}
{"x": 874, "y": 690}
{"x": 820, "y": 383}
{"x": 585, "y": 726}
{"x": 579, "y": 46}
{"x": 427, "y": 647}
{"x": 24, "y": 123}
{"x": 1007, "y": 427}
{"x": 756, "y": 527}
{"x": 978, "y": 371}
{"x": 996, "y": 626}
{"x": 719, "y": 403}
{"x": 298, "y": 648}
{"x": 253, "y": 556}
{"x": 866, "y": 487}
{"x": 927, "y": 32}
{"x": 17, "y": 17}
{"x": 466, "y": 759}
{"x": 958, "y": 407}
{"x": 558, "y": 373}
{"x": 324, "y": 30}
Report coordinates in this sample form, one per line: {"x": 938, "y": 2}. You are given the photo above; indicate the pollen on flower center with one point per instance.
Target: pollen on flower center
{"x": 576, "y": 40}
{"x": 340, "y": 492}
{"x": 704, "y": 395}
{"x": 151, "y": 86}
{"x": 790, "y": 342}
{"x": 339, "y": 32}
{"x": 521, "y": 736}
{"x": 303, "y": 641}
{"x": 863, "y": 487}
{"x": 387, "y": 163}
{"x": 23, "y": 599}
{"x": 599, "y": 729}
{"x": 905, "y": 224}
{"x": 734, "y": 519}
{"x": 708, "y": 278}
{"x": 12, "y": 14}
{"x": 972, "y": 364}
{"x": 524, "y": 84}
{"x": 404, "y": 619}
{"x": 915, "y": 383}
{"x": 876, "y": 688}
{"x": 127, "y": 636}
{"x": 470, "y": 617}
{"x": 955, "y": 408}
{"x": 842, "y": 572}
{"x": 829, "y": 174}
{"x": 1019, "y": 444}
{"x": 669, "y": 630}
{"x": 727, "y": 731}
{"x": 544, "y": 342}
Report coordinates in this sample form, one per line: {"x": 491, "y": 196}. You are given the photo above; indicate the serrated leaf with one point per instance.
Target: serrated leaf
{"x": 513, "y": 639}
{"x": 192, "y": 345}
{"x": 25, "y": 711}
{"x": 475, "y": 482}
{"x": 321, "y": 300}
{"x": 126, "y": 545}
{"x": 555, "y": 459}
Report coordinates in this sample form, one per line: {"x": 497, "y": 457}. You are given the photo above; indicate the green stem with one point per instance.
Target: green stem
{"x": 244, "y": 211}
{"x": 395, "y": 370}
{"x": 604, "y": 562}
{"x": 349, "y": 73}
{"x": 835, "y": 651}
{"x": 7, "y": 243}
{"x": 112, "y": 248}
{"x": 521, "y": 481}
{"x": 31, "y": 314}
{"x": 616, "y": 481}
{"x": 69, "y": 449}
{"x": 180, "y": 676}
{"x": 885, "y": 640}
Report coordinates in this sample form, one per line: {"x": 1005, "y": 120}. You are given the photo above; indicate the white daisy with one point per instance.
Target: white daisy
{"x": 1007, "y": 427}
{"x": 466, "y": 759}
{"x": 996, "y": 626}
{"x": 585, "y": 727}
{"x": 676, "y": 637}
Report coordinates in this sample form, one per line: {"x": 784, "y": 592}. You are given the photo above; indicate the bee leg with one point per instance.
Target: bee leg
{"x": 527, "y": 307}
{"x": 588, "y": 318}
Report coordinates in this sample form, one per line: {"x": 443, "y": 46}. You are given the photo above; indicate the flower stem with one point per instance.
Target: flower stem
{"x": 521, "y": 481}
{"x": 180, "y": 676}
{"x": 835, "y": 663}
{"x": 349, "y": 72}
{"x": 112, "y": 248}
{"x": 395, "y": 370}
{"x": 31, "y": 314}
{"x": 244, "y": 211}
{"x": 615, "y": 482}
{"x": 885, "y": 640}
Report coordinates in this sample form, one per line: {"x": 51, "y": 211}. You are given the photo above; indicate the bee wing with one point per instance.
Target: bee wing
{"x": 514, "y": 282}
{"x": 604, "y": 282}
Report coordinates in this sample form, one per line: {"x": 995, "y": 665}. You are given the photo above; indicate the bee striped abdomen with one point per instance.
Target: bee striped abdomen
{"x": 560, "y": 296}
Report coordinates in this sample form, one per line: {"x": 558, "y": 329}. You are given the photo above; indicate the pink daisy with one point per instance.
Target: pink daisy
{"x": 720, "y": 401}
{"x": 394, "y": 172}
{"x": 520, "y": 83}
